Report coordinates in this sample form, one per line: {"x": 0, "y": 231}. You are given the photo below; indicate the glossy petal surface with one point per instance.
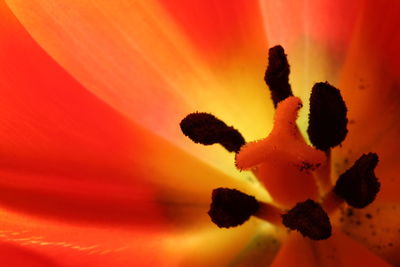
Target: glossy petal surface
{"x": 144, "y": 59}
{"x": 85, "y": 169}
{"x": 92, "y": 94}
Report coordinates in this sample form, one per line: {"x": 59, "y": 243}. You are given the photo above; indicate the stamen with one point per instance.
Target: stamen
{"x": 277, "y": 74}
{"x": 206, "y": 129}
{"x": 285, "y": 163}
{"x": 327, "y": 125}
{"x": 358, "y": 186}
{"x": 310, "y": 219}
{"x": 331, "y": 202}
{"x": 230, "y": 207}
{"x": 270, "y": 213}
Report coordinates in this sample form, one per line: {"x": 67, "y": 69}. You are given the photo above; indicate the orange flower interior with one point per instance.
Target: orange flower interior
{"x": 295, "y": 174}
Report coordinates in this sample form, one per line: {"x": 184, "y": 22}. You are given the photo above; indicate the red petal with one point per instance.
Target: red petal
{"x": 26, "y": 241}
{"x": 136, "y": 58}
{"x": 225, "y": 32}
{"x": 67, "y": 155}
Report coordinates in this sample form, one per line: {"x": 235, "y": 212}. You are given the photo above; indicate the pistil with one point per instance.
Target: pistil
{"x": 283, "y": 161}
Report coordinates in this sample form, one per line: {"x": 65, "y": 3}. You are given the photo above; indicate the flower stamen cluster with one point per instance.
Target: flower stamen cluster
{"x": 293, "y": 172}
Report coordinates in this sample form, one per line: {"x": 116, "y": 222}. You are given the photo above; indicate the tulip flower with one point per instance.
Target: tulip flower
{"x": 95, "y": 170}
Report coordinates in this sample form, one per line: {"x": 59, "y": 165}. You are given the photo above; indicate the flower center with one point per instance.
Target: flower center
{"x": 283, "y": 161}
{"x": 296, "y": 175}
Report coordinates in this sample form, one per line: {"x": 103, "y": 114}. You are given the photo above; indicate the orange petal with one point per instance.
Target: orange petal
{"x": 69, "y": 158}
{"x": 230, "y": 39}
{"x": 63, "y": 147}
{"x": 54, "y": 140}
{"x": 377, "y": 227}
{"x": 338, "y": 250}
{"x": 261, "y": 248}
{"x": 228, "y": 31}
{"x": 214, "y": 246}
{"x": 316, "y": 35}
{"x": 295, "y": 251}
{"x": 134, "y": 56}
{"x": 370, "y": 87}
{"x": 14, "y": 256}
{"x": 289, "y": 23}
{"x": 28, "y": 241}
{"x": 48, "y": 243}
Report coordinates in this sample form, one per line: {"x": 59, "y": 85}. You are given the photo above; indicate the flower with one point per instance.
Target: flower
{"x": 94, "y": 169}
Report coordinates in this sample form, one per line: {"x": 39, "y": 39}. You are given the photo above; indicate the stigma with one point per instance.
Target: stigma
{"x": 283, "y": 161}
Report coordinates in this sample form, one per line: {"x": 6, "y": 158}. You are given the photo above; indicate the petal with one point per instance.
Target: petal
{"x": 79, "y": 167}
{"x": 295, "y": 251}
{"x": 49, "y": 243}
{"x": 377, "y": 227}
{"x": 316, "y": 35}
{"x": 370, "y": 87}
{"x": 226, "y": 33}
{"x": 14, "y": 256}
{"x": 261, "y": 249}
{"x": 54, "y": 138}
{"x": 218, "y": 247}
{"x": 338, "y": 250}
{"x": 63, "y": 147}
{"x": 229, "y": 37}
{"x": 304, "y": 21}
{"x": 29, "y": 241}
{"x": 135, "y": 57}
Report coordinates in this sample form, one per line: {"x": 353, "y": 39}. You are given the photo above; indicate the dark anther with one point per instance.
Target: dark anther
{"x": 206, "y": 129}
{"x": 327, "y": 125}
{"x": 277, "y": 74}
{"x": 310, "y": 219}
{"x": 358, "y": 186}
{"x": 230, "y": 207}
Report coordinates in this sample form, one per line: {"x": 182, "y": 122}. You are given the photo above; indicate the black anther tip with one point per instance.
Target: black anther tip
{"x": 230, "y": 207}
{"x": 358, "y": 186}
{"x": 206, "y": 129}
{"x": 310, "y": 219}
{"x": 277, "y": 74}
{"x": 327, "y": 125}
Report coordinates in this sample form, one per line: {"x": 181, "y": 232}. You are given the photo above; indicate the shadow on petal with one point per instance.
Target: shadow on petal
{"x": 17, "y": 256}
{"x": 87, "y": 206}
